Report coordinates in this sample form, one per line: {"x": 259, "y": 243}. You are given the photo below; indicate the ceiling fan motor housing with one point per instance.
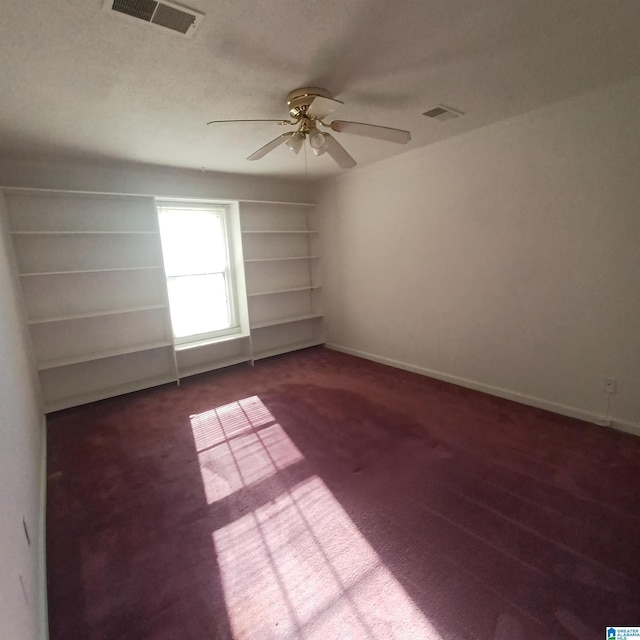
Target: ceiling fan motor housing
{"x": 298, "y": 100}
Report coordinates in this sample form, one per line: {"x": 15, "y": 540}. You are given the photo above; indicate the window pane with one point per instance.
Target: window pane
{"x": 193, "y": 241}
{"x": 199, "y": 304}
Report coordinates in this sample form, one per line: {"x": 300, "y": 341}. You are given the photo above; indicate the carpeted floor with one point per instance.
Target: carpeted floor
{"x": 322, "y": 496}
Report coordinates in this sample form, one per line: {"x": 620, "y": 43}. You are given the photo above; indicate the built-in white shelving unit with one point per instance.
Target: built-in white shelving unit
{"x": 282, "y": 277}
{"x": 95, "y": 294}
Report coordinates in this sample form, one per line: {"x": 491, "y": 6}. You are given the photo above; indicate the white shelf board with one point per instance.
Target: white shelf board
{"x": 286, "y": 231}
{"x": 203, "y": 343}
{"x": 212, "y": 366}
{"x": 109, "y": 392}
{"x": 84, "y": 233}
{"x": 65, "y": 273}
{"x": 293, "y": 204}
{"x": 281, "y": 259}
{"x": 97, "y": 314}
{"x": 100, "y": 355}
{"x": 289, "y": 320}
{"x": 295, "y": 346}
{"x": 290, "y": 290}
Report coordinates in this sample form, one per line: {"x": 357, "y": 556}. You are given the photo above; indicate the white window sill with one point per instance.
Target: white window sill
{"x": 239, "y": 335}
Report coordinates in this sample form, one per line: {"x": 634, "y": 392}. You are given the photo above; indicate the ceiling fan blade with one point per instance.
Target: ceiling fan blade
{"x": 226, "y": 121}
{"x": 338, "y": 152}
{"x": 371, "y": 131}
{"x": 270, "y": 146}
{"x": 321, "y": 106}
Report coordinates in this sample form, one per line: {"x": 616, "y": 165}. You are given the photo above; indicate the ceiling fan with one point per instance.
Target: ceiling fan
{"x": 308, "y": 107}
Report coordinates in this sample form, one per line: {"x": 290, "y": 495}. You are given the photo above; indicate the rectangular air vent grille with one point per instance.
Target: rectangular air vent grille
{"x": 442, "y": 112}
{"x": 163, "y": 14}
{"x": 172, "y": 18}
{"x": 142, "y": 9}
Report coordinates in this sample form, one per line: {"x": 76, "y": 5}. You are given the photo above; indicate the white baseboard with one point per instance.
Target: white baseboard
{"x": 507, "y": 394}
{"x": 42, "y": 539}
{"x": 627, "y": 427}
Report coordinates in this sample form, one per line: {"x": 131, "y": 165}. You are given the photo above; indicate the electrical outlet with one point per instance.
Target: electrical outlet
{"x": 610, "y": 385}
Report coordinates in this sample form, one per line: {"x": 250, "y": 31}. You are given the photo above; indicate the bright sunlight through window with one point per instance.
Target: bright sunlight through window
{"x": 196, "y": 259}
{"x": 292, "y": 563}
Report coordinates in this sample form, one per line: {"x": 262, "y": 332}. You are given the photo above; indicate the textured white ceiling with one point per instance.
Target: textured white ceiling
{"x": 76, "y": 81}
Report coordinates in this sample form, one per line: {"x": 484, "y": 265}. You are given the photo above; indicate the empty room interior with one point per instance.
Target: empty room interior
{"x": 319, "y": 320}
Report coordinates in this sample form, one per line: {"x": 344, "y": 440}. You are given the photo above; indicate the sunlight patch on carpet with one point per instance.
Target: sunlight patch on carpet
{"x": 239, "y": 444}
{"x": 291, "y": 561}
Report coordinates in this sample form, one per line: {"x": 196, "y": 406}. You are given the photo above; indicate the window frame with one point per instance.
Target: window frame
{"x": 223, "y": 210}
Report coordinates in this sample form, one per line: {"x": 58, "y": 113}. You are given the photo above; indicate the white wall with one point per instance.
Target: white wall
{"x": 507, "y": 258}
{"x": 22, "y": 603}
{"x": 143, "y": 179}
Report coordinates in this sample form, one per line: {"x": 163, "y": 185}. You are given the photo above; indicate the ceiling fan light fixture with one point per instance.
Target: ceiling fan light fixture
{"x": 317, "y": 141}
{"x": 295, "y": 142}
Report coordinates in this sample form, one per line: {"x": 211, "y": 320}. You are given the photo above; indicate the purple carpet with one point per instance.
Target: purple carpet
{"x": 322, "y": 496}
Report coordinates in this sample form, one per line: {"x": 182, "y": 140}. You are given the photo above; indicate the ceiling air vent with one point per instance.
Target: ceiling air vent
{"x": 165, "y": 15}
{"x": 443, "y": 113}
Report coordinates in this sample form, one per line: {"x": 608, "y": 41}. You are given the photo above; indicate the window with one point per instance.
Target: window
{"x": 198, "y": 267}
